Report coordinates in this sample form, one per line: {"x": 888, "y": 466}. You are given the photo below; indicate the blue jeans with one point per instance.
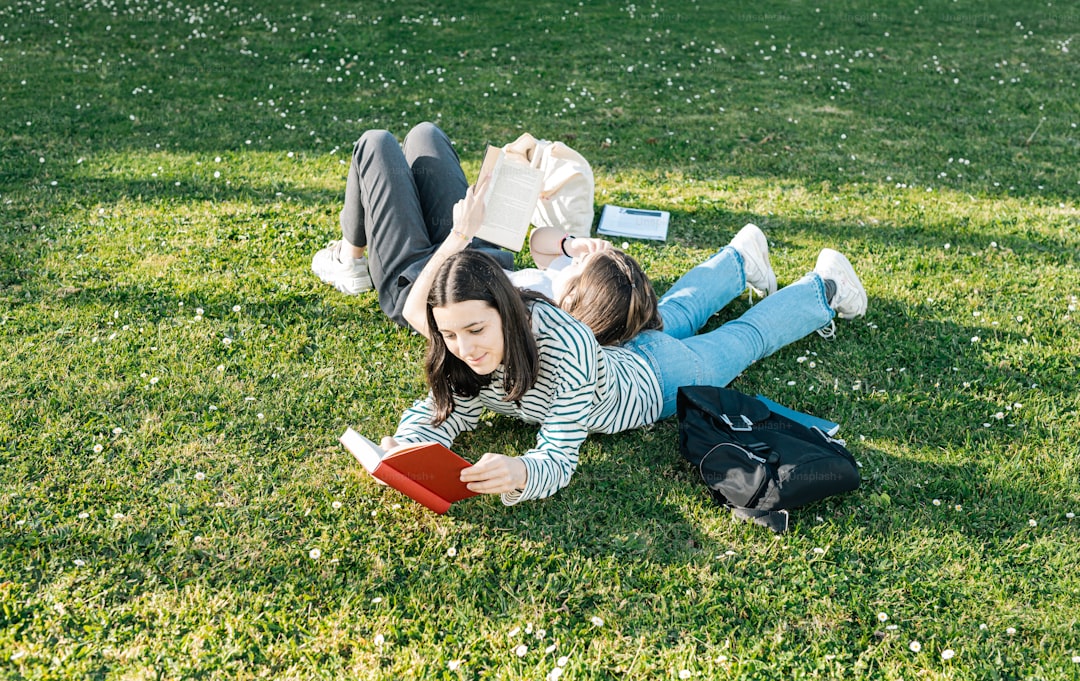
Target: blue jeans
{"x": 678, "y": 357}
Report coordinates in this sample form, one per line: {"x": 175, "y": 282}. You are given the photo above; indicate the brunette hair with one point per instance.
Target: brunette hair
{"x": 475, "y": 275}
{"x": 613, "y": 297}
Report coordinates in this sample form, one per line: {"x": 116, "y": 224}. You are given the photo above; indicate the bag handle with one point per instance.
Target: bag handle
{"x": 745, "y": 426}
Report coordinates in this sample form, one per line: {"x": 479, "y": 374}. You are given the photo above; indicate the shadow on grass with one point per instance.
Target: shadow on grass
{"x": 34, "y": 230}
{"x": 712, "y": 227}
{"x": 106, "y": 190}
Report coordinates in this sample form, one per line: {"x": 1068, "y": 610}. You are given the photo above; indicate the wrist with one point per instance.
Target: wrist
{"x": 521, "y": 479}
{"x": 562, "y": 244}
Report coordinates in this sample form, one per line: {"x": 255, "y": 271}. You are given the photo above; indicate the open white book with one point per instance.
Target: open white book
{"x": 511, "y": 199}
{"x": 635, "y": 223}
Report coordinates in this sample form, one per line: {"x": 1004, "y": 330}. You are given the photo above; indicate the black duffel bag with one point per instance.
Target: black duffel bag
{"x": 756, "y": 462}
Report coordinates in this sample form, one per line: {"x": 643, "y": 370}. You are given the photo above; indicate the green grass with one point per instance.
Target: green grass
{"x": 161, "y": 489}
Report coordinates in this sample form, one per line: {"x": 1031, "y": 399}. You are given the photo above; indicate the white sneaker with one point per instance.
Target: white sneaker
{"x": 849, "y": 301}
{"x": 348, "y": 275}
{"x": 751, "y": 244}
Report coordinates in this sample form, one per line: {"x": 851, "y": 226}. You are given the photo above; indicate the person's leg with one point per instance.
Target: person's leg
{"x": 701, "y": 293}
{"x": 440, "y": 181}
{"x": 378, "y": 188}
{"x": 718, "y": 357}
{"x": 784, "y": 317}
{"x": 352, "y": 210}
{"x": 436, "y": 172}
{"x": 409, "y": 193}
{"x": 386, "y": 217}
{"x": 393, "y": 219}
{"x": 343, "y": 263}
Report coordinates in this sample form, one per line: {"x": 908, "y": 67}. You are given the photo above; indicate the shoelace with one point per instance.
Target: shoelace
{"x": 750, "y": 294}
{"x": 828, "y": 332}
{"x": 339, "y": 251}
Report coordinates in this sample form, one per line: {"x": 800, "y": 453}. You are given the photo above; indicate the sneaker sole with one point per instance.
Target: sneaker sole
{"x": 354, "y": 287}
{"x": 350, "y": 286}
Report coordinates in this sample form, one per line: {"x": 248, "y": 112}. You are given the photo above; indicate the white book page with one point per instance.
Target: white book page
{"x": 369, "y": 454}
{"x": 635, "y": 223}
{"x": 510, "y": 201}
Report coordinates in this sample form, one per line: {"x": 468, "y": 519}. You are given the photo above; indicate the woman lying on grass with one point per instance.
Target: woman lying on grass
{"x": 398, "y": 209}
{"x": 398, "y": 212}
{"x": 494, "y": 346}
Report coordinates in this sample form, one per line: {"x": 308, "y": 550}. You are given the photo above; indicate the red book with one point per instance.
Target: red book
{"x": 426, "y": 472}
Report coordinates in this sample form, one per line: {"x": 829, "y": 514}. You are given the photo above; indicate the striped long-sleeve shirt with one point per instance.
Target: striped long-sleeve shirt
{"x": 581, "y": 388}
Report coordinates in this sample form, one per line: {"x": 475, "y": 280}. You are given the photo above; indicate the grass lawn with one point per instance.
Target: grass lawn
{"x": 173, "y": 500}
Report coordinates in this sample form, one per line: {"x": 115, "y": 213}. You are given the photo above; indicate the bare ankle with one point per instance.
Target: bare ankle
{"x": 354, "y": 251}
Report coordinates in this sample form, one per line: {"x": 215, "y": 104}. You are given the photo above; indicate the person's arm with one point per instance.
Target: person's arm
{"x": 548, "y": 467}
{"x": 415, "y": 424}
{"x": 468, "y": 216}
{"x": 539, "y": 472}
{"x": 496, "y": 474}
{"x": 548, "y": 243}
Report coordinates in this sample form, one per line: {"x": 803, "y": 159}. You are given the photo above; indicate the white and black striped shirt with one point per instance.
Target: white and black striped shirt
{"x": 581, "y": 388}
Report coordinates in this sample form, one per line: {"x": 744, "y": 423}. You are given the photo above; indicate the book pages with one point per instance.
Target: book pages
{"x": 510, "y": 200}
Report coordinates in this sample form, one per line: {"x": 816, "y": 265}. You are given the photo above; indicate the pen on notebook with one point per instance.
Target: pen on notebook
{"x": 634, "y": 211}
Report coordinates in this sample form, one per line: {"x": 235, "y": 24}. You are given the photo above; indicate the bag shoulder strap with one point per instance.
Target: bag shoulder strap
{"x": 777, "y": 521}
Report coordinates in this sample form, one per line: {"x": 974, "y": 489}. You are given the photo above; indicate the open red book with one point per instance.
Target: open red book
{"x": 426, "y": 472}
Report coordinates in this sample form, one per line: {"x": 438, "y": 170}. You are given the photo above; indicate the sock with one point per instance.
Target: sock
{"x": 830, "y": 290}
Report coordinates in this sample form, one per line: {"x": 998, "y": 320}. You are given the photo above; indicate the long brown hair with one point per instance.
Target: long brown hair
{"x": 474, "y": 275}
{"x": 613, "y": 297}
